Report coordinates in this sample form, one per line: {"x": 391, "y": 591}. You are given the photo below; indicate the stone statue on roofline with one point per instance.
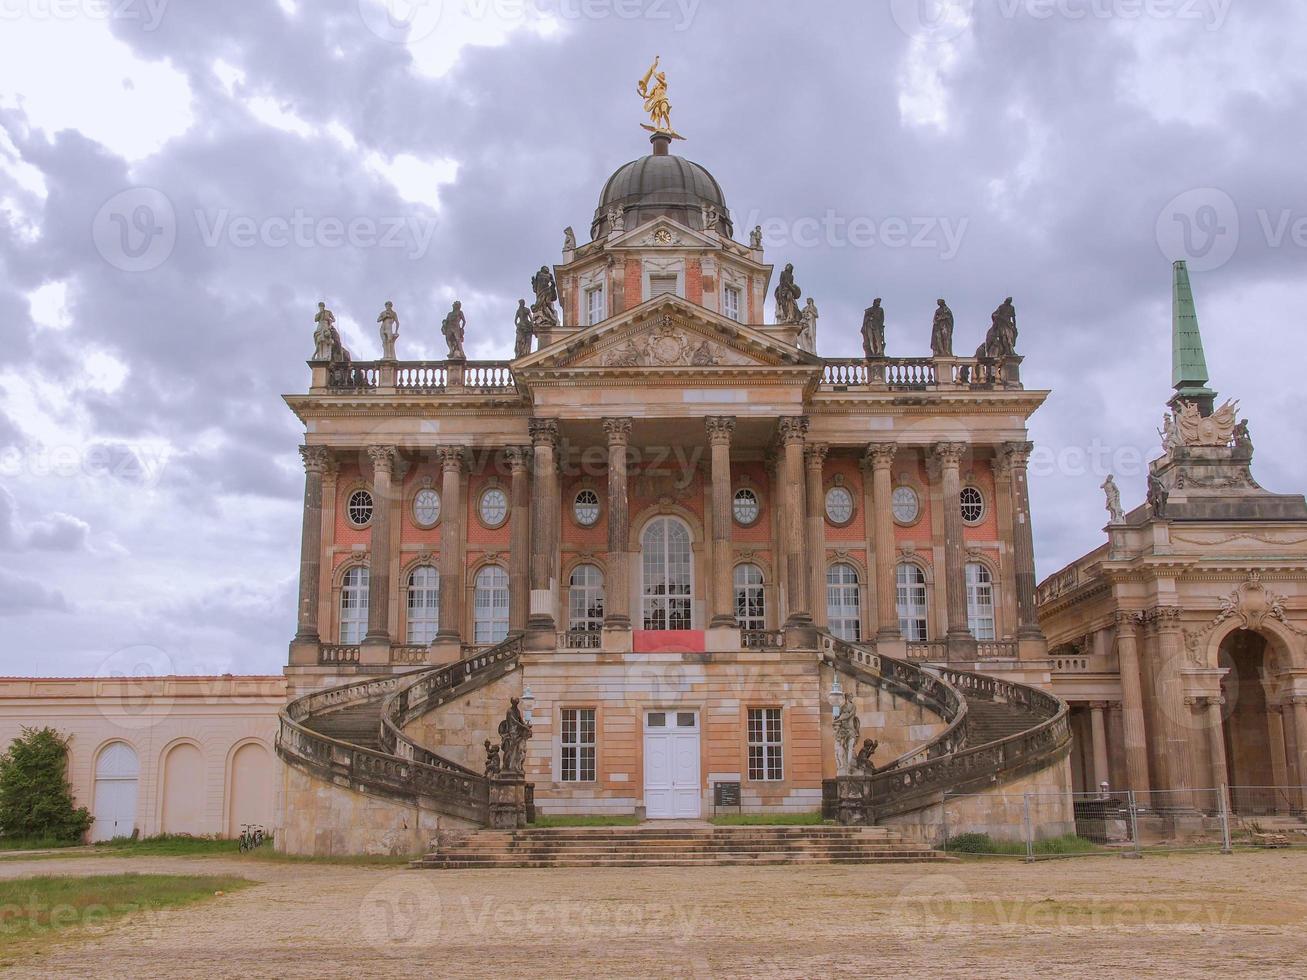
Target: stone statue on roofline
{"x": 941, "y": 332}
{"x": 1001, "y": 341}
{"x": 755, "y": 237}
{"x": 327, "y": 345}
{"x": 569, "y": 239}
{"x": 389, "y": 321}
{"x": 1113, "y": 494}
{"x": 808, "y": 335}
{"x": 788, "y": 295}
{"x": 617, "y": 219}
{"x": 454, "y": 327}
{"x": 873, "y": 330}
{"x": 847, "y": 730}
{"x": 525, "y": 330}
{"x": 543, "y": 314}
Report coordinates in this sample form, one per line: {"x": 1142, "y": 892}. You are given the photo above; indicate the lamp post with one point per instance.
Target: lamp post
{"x": 835, "y": 697}
{"x": 528, "y": 704}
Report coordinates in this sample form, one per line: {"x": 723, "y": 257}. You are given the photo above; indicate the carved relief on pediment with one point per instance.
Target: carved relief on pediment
{"x": 670, "y": 344}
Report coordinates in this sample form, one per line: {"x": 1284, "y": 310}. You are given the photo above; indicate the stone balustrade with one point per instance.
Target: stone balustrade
{"x": 421, "y": 376}
{"x": 920, "y": 373}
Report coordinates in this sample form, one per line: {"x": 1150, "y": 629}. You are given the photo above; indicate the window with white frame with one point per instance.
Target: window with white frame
{"x": 359, "y": 508}
{"x": 973, "y": 505}
{"x": 586, "y": 508}
{"x": 490, "y": 606}
{"x": 912, "y": 602}
{"x": 843, "y": 602}
{"x": 745, "y": 507}
{"x": 765, "y": 757}
{"x": 578, "y": 745}
{"x": 731, "y": 303}
{"x": 423, "y": 604}
{"x": 585, "y": 600}
{"x": 662, "y": 284}
{"x": 980, "y": 601}
{"x": 750, "y": 601}
{"x": 354, "y": 605}
{"x": 666, "y": 583}
{"x": 595, "y": 309}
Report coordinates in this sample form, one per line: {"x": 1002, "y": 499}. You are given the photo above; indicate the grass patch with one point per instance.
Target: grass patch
{"x": 34, "y": 843}
{"x": 584, "y": 820}
{"x": 36, "y": 913}
{"x": 986, "y": 845}
{"x": 766, "y": 820}
{"x": 184, "y": 845}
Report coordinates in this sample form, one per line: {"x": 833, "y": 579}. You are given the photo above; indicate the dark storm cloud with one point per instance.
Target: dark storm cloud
{"x": 1051, "y": 173}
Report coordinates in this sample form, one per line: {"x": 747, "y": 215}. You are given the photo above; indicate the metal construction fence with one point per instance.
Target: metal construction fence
{"x": 1046, "y": 826}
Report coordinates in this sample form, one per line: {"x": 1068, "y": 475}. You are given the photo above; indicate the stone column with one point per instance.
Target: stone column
{"x": 1132, "y": 703}
{"x": 1023, "y": 546}
{"x": 1300, "y": 742}
{"x": 882, "y": 456}
{"x": 545, "y": 507}
{"x": 1279, "y": 758}
{"x": 316, "y": 460}
{"x": 1098, "y": 730}
{"x": 1174, "y": 712}
{"x": 948, "y": 456}
{"x": 383, "y": 469}
{"x": 451, "y": 546}
{"x": 815, "y": 459}
{"x": 793, "y": 431}
{"x": 519, "y": 548}
{"x": 1210, "y": 708}
{"x": 722, "y": 593}
{"x": 617, "y": 587}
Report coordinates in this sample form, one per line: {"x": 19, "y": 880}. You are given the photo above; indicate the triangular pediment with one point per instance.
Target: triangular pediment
{"x": 668, "y": 333}
{"x": 663, "y": 232}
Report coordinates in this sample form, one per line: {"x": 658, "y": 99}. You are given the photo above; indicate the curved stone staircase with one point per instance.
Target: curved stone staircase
{"x": 352, "y": 736}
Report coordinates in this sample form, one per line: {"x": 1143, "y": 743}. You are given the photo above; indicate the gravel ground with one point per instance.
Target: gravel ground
{"x": 1159, "y": 917}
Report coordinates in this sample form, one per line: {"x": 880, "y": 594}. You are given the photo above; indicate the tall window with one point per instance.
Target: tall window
{"x": 980, "y": 601}
{"x": 912, "y": 602}
{"x": 765, "y": 744}
{"x": 578, "y": 745}
{"x": 423, "y": 604}
{"x": 665, "y": 548}
{"x": 750, "y": 604}
{"x": 585, "y": 600}
{"x": 490, "y": 606}
{"x": 354, "y": 605}
{"x": 731, "y": 303}
{"x": 662, "y": 284}
{"x": 594, "y": 305}
{"x": 843, "y": 602}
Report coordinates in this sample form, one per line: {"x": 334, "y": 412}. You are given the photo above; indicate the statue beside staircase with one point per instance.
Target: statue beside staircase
{"x": 506, "y": 770}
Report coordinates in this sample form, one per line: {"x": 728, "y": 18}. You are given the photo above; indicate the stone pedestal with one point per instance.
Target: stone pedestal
{"x": 507, "y": 801}
{"x": 854, "y": 796}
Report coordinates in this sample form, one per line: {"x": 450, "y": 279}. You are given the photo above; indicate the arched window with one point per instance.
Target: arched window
{"x": 750, "y": 599}
{"x": 423, "y": 604}
{"x": 912, "y": 602}
{"x": 667, "y": 580}
{"x": 843, "y": 602}
{"x": 585, "y": 600}
{"x": 980, "y": 601}
{"x": 490, "y": 606}
{"x": 354, "y": 605}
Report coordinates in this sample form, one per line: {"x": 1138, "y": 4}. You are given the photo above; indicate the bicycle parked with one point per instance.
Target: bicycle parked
{"x": 252, "y": 836}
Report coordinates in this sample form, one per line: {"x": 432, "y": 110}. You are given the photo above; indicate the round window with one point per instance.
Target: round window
{"x": 973, "y": 505}
{"x": 839, "y": 505}
{"x": 426, "y": 507}
{"x": 905, "y": 505}
{"x": 359, "y": 508}
{"x": 494, "y": 506}
{"x": 746, "y": 507}
{"x": 586, "y": 508}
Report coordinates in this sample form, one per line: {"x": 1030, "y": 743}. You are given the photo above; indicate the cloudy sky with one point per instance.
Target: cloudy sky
{"x": 181, "y": 181}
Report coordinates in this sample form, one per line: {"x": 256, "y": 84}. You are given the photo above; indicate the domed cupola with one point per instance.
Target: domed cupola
{"x": 662, "y": 184}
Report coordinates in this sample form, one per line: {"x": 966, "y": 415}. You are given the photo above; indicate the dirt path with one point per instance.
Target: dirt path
{"x": 1160, "y": 917}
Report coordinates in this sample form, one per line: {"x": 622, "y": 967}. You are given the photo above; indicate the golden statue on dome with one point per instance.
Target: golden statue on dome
{"x": 653, "y": 89}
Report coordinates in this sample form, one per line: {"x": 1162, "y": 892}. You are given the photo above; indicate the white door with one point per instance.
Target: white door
{"x": 671, "y": 765}
{"x": 116, "y": 773}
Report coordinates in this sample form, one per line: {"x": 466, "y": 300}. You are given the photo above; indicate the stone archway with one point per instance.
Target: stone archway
{"x": 1245, "y": 655}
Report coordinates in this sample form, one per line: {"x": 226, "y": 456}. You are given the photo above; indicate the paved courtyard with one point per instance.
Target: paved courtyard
{"x": 1164, "y": 916}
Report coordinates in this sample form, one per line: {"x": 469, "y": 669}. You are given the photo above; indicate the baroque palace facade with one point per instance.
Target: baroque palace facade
{"x": 678, "y": 535}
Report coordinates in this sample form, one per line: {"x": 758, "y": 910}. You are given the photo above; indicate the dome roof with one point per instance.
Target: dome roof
{"x": 661, "y": 184}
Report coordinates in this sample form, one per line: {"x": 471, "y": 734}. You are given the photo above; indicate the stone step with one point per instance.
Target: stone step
{"x": 763, "y": 860}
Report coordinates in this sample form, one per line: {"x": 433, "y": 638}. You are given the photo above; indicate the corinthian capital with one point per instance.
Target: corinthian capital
{"x": 317, "y": 459}
{"x": 618, "y": 430}
{"x": 949, "y": 453}
{"x": 720, "y": 429}
{"x": 792, "y": 428}
{"x": 518, "y": 457}
{"x": 383, "y": 459}
{"x": 451, "y": 457}
{"x": 544, "y": 432}
{"x": 1017, "y": 454}
{"x": 815, "y": 454}
{"x": 881, "y": 455}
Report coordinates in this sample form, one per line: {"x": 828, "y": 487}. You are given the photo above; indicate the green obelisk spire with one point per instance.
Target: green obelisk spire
{"x": 1188, "y": 363}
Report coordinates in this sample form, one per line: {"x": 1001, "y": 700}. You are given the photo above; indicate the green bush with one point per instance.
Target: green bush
{"x": 35, "y": 799}
{"x": 984, "y": 844}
